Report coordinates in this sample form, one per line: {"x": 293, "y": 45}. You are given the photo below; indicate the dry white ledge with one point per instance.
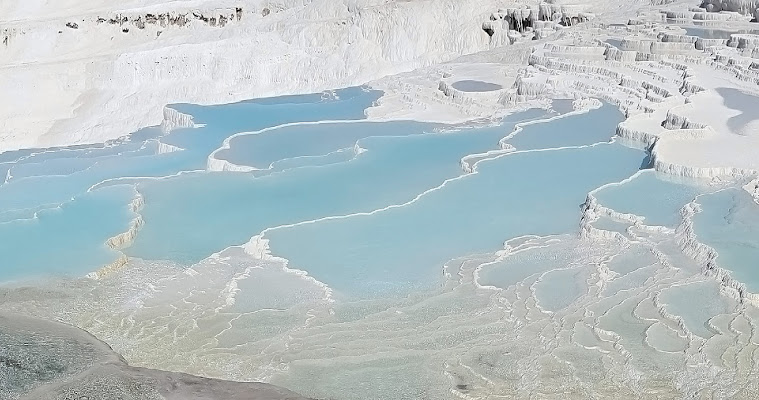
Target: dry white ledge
{"x": 87, "y": 71}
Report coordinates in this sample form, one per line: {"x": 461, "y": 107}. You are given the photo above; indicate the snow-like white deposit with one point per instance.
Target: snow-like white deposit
{"x": 86, "y": 71}
{"x": 75, "y": 71}
{"x": 82, "y": 71}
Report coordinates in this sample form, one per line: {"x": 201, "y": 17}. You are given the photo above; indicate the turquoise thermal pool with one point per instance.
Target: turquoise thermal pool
{"x": 292, "y": 240}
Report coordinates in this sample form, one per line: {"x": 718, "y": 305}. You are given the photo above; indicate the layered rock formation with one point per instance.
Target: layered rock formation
{"x": 114, "y": 72}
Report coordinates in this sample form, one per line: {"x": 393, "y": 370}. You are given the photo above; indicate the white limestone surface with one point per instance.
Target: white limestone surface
{"x": 81, "y": 71}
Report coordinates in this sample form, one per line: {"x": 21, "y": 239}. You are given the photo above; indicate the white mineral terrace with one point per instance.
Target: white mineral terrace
{"x": 599, "y": 242}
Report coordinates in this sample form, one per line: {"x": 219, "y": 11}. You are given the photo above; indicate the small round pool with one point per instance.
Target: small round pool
{"x": 475, "y": 86}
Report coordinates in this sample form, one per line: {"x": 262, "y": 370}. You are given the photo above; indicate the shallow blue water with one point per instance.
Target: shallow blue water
{"x": 729, "y": 223}
{"x": 73, "y": 176}
{"x": 70, "y": 162}
{"x": 647, "y": 195}
{"x": 393, "y": 170}
{"x": 223, "y": 120}
{"x": 530, "y": 262}
{"x": 562, "y": 106}
{"x": 614, "y": 42}
{"x": 66, "y": 241}
{"x": 338, "y": 156}
{"x": 560, "y": 288}
{"x": 679, "y": 300}
{"x": 518, "y": 194}
{"x": 739, "y": 101}
{"x": 575, "y": 130}
{"x": 475, "y": 86}
{"x": 316, "y": 173}
{"x": 58, "y": 189}
{"x": 53, "y": 183}
{"x": 377, "y": 209}
{"x": 10, "y": 156}
{"x": 379, "y": 218}
{"x": 265, "y": 148}
{"x": 710, "y": 33}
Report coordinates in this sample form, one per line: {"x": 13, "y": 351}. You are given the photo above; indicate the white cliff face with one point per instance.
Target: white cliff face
{"x": 747, "y": 7}
{"x": 90, "y": 73}
{"x": 86, "y": 71}
{"x": 687, "y": 98}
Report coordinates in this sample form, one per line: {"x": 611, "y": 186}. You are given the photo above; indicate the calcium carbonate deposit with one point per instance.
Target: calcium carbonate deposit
{"x": 379, "y": 199}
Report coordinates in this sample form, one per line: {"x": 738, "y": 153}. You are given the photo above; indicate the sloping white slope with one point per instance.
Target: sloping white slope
{"x": 63, "y": 85}
{"x": 75, "y": 71}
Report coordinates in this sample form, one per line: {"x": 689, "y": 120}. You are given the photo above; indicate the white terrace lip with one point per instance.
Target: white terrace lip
{"x": 621, "y": 335}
